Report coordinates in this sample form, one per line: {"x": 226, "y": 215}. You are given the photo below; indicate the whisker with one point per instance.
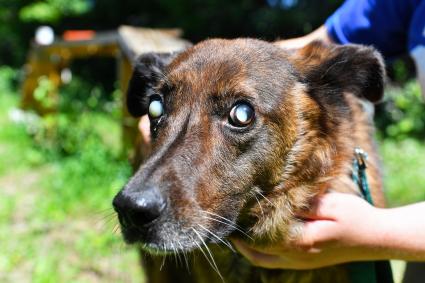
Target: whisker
{"x": 163, "y": 261}
{"x": 259, "y": 204}
{"x": 187, "y": 261}
{"x": 219, "y": 216}
{"x": 116, "y": 229}
{"x": 107, "y": 221}
{"x": 205, "y": 255}
{"x": 105, "y": 215}
{"x": 179, "y": 256}
{"x": 261, "y": 194}
{"x": 224, "y": 218}
{"x": 103, "y": 218}
{"x": 184, "y": 255}
{"x": 209, "y": 252}
{"x": 174, "y": 253}
{"x": 104, "y": 224}
{"x": 227, "y": 244}
{"x": 102, "y": 211}
{"x": 230, "y": 225}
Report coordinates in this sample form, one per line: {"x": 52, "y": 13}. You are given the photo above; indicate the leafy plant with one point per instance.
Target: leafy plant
{"x": 52, "y": 11}
{"x": 402, "y": 114}
{"x": 8, "y": 77}
{"x": 81, "y": 119}
{"x": 42, "y": 92}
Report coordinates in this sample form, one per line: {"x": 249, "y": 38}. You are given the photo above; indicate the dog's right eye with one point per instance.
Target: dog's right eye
{"x": 156, "y": 108}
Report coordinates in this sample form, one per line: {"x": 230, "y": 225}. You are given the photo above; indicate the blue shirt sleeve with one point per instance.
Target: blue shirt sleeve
{"x": 417, "y": 28}
{"x": 392, "y": 26}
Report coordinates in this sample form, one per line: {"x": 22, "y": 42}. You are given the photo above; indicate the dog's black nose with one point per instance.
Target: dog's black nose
{"x": 139, "y": 208}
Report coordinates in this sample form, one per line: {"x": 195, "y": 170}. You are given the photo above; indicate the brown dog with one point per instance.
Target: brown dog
{"x": 245, "y": 135}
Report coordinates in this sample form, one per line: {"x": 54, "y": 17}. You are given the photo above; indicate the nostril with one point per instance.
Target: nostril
{"x": 139, "y": 208}
{"x": 146, "y": 210}
{"x": 120, "y": 203}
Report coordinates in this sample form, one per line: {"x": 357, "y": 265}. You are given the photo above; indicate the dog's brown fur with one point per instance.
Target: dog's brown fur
{"x": 309, "y": 106}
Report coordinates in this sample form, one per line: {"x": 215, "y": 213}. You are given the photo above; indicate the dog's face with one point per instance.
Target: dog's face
{"x": 227, "y": 120}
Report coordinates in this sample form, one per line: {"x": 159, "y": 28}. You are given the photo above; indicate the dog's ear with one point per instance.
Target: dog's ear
{"x": 148, "y": 69}
{"x": 353, "y": 68}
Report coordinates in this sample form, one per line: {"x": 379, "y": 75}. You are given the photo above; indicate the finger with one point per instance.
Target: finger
{"x": 316, "y": 233}
{"x": 258, "y": 258}
{"x": 275, "y": 249}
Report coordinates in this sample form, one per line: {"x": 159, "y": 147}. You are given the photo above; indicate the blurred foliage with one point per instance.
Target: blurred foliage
{"x": 8, "y": 77}
{"x": 402, "y": 114}
{"x": 404, "y": 165}
{"x": 400, "y": 71}
{"x": 83, "y": 139}
{"x": 52, "y": 11}
{"x": 42, "y": 91}
{"x": 200, "y": 19}
{"x": 71, "y": 130}
{"x": 86, "y": 129}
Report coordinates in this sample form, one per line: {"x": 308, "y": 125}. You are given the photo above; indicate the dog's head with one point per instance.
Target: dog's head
{"x": 236, "y": 125}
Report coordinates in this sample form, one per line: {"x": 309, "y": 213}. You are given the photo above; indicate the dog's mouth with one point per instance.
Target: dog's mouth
{"x": 168, "y": 240}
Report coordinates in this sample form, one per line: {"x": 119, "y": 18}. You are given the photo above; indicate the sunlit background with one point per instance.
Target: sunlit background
{"x": 59, "y": 171}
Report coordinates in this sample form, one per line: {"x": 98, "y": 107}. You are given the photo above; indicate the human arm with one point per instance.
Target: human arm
{"x": 380, "y": 23}
{"x": 346, "y": 228}
{"x": 319, "y": 34}
{"x": 389, "y": 26}
{"x": 418, "y": 55}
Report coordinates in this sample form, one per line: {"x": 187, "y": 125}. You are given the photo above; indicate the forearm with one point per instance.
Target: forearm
{"x": 421, "y": 80}
{"x": 418, "y": 55}
{"x": 402, "y": 233}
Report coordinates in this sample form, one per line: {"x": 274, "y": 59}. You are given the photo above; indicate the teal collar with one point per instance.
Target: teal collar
{"x": 367, "y": 271}
{"x": 359, "y": 173}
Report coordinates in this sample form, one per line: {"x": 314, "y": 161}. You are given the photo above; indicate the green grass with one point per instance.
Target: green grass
{"x": 404, "y": 167}
{"x": 56, "y": 220}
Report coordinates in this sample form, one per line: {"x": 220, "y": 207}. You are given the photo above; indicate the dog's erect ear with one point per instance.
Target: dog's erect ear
{"x": 148, "y": 70}
{"x": 352, "y": 68}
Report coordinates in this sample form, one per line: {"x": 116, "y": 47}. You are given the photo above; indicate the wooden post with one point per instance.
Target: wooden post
{"x": 129, "y": 124}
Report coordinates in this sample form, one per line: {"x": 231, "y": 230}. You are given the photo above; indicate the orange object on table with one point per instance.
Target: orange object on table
{"x": 74, "y": 35}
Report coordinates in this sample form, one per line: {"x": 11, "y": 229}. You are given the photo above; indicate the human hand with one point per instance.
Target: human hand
{"x": 295, "y": 43}
{"x": 341, "y": 228}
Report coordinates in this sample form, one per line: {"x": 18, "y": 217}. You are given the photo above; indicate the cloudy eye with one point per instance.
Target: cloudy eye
{"x": 156, "y": 109}
{"x": 241, "y": 115}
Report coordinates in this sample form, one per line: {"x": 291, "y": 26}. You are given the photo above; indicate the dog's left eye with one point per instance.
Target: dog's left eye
{"x": 241, "y": 115}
